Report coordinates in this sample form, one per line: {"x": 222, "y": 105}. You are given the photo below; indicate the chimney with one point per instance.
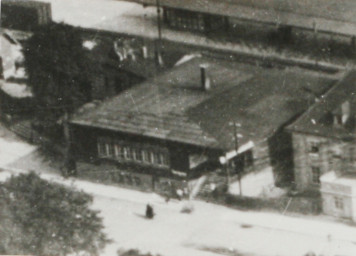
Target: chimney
{"x": 345, "y": 111}
{"x": 205, "y": 81}
{"x": 144, "y": 52}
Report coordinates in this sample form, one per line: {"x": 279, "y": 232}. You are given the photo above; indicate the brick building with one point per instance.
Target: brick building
{"x": 324, "y": 137}
{"x": 204, "y": 115}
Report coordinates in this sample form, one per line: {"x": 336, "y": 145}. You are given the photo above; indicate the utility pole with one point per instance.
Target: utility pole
{"x": 158, "y": 43}
{"x": 236, "y": 140}
{"x": 237, "y": 154}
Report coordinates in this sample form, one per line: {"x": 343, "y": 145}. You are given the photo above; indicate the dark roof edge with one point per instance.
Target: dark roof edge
{"x": 78, "y": 123}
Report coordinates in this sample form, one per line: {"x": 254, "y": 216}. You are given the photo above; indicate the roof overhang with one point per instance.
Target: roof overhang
{"x": 231, "y": 154}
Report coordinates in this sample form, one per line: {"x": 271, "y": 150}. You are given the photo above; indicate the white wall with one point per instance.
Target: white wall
{"x": 254, "y": 184}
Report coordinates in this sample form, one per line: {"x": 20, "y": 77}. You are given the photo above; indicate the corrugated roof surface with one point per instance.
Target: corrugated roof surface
{"x": 313, "y": 121}
{"x": 174, "y": 107}
{"x": 337, "y": 16}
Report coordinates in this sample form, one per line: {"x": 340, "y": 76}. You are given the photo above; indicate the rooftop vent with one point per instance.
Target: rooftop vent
{"x": 205, "y": 80}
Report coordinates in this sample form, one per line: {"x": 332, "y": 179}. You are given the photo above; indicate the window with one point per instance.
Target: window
{"x": 313, "y": 147}
{"x": 152, "y": 157}
{"x": 165, "y": 160}
{"x": 330, "y": 158}
{"x": 109, "y": 148}
{"x": 316, "y": 175}
{"x": 118, "y": 151}
{"x": 101, "y": 147}
{"x": 248, "y": 158}
{"x": 146, "y": 156}
{"x": 127, "y": 153}
{"x": 161, "y": 159}
{"x": 339, "y": 203}
{"x": 156, "y": 159}
{"x": 184, "y": 19}
{"x": 138, "y": 155}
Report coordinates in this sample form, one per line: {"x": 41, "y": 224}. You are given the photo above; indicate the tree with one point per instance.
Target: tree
{"x": 43, "y": 218}
{"x": 59, "y": 69}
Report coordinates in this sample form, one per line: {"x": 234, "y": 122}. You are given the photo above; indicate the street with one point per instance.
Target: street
{"x": 209, "y": 230}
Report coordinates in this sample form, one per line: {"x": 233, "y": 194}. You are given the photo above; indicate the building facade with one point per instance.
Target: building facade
{"x": 339, "y": 195}
{"x": 323, "y": 138}
{"x": 282, "y": 21}
{"x": 202, "y": 116}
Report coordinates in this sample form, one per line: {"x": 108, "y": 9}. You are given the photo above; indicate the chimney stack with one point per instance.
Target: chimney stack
{"x": 345, "y": 110}
{"x": 144, "y": 52}
{"x": 205, "y": 81}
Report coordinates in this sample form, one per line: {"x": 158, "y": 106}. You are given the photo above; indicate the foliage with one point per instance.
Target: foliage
{"x": 59, "y": 70}
{"x": 42, "y": 218}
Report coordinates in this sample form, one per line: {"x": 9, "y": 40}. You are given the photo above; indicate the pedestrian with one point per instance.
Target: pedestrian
{"x": 149, "y": 211}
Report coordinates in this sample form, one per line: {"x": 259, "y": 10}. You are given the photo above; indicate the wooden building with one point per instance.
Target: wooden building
{"x": 204, "y": 115}
{"x": 324, "y": 137}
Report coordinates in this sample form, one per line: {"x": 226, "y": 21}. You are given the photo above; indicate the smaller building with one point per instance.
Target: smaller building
{"x": 122, "y": 61}
{"x": 24, "y": 14}
{"x": 11, "y": 56}
{"x": 339, "y": 195}
{"x": 15, "y": 95}
{"x": 324, "y": 136}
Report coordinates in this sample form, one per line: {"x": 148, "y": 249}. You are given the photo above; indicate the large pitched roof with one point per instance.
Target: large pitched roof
{"x": 174, "y": 107}
{"x": 336, "y": 16}
{"x": 313, "y": 121}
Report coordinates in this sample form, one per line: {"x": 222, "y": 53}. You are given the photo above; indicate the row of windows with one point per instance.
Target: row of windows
{"x": 185, "y": 20}
{"x": 314, "y": 148}
{"x": 118, "y": 151}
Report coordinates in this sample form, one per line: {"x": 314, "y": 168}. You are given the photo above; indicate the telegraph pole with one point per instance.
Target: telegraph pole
{"x": 237, "y": 154}
{"x": 158, "y": 43}
{"x": 236, "y": 140}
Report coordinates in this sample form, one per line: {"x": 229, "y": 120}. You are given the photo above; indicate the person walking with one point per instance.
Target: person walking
{"x": 149, "y": 211}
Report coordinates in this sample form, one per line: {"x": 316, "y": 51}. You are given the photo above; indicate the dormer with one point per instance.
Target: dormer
{"x": 342, "y": 114}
